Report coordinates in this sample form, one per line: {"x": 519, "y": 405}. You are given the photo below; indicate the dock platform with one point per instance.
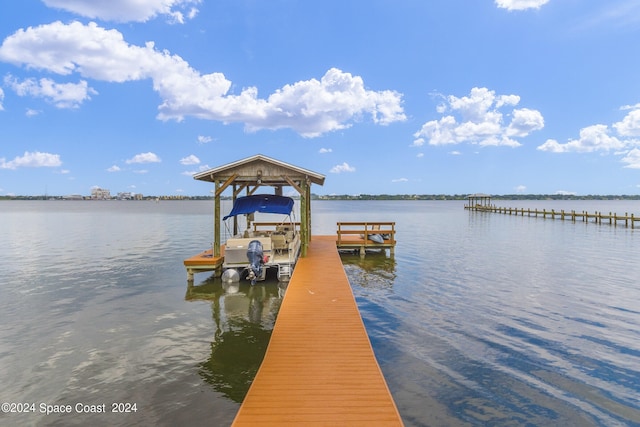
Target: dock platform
{"x": 319, "y": 367}
{"x": 203, "y": 262}
{"x": 356, "y": 236}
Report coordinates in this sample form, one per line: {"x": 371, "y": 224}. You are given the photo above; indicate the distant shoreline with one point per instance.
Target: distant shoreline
{"x": 361, "y": 197}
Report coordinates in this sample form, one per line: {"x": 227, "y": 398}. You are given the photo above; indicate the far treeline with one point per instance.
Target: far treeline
{"x": 465, "y": 197}
{"x": 381, "y": 197}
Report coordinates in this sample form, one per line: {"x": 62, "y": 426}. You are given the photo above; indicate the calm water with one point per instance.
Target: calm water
{"x": 480, "y": 319}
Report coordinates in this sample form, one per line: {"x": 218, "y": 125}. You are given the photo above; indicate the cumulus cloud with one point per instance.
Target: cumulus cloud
{"x": 478, "y": 119}
{"x": 630, "y": 124}
{"x": 114, "y": 168}
{"x": 521, "y": 4}
{"x": 344, "y": 167}
{"x": 144, "y": 158}
{"x": 632, "y": 159}
{"x": 311, "y": 107}
{"x": 325, "y": 150}
{"x": 34, "y": 159}
{"x": 521, "y": 189}
{"x": 400, "y": 180}
{"x": 620, "y": 139}
{"x": 201, "y": 168}
{"x": 592, "y": 138}
{"x": 204, "y": 139}
{"x": 190, "y": 160}
{"x": 1, "y": 99}
{"x": 62, "y": 95}
{"x": 127, "y": 10}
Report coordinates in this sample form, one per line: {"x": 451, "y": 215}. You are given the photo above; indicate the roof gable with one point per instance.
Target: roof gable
{"x": 260, "y": 169}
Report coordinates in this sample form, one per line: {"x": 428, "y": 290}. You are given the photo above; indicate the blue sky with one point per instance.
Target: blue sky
{"x": 382, "y": 96}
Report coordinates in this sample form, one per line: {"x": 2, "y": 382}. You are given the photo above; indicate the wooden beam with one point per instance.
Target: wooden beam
{"x": 226, "y": 184}
{"x": 293, "y": 184}
{"x": 252, "y": 190}
{"x": 239, "y": 190}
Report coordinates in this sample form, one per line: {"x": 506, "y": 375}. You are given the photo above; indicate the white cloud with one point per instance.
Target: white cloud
{"x": 630, "y": 107}
{"x": 34, "y": 159}
{"x": 521, "y": 189}
{"x": 418, "y": 142}
{"x": 114, "y": 168}
{"x": 32, "y": 113}
{"x": 311, "y": 108}
{"x": 592, "y": 138}
{"x": 200, "y": 169}
{"x": 524, "y": 122}
{"x": 204, "y": 139}
{"x": 400, "y": 180}
{"x": 190, "y": 160}
{"x": 477, "y": 119}
{"x": 566, "y": 193}
{"x": 520, "y": 4}
{"x": 325, "y": 150}
{"x": 630, "y": 124}
{"x": 1, "y": 99}
{"x": 127, "y": 10}
{"x": 144, "y": 158}
{"x": 344, "y": 167}
{"x": 632, "y": 159}
{"x": 62, "y": 95}
{"x": 598, "y": 138}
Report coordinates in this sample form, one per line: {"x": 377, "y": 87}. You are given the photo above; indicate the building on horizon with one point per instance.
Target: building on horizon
{"x": 98, "y": 193}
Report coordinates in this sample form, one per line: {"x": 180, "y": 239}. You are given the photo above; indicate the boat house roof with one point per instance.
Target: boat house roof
{"x": 261, "y": 170}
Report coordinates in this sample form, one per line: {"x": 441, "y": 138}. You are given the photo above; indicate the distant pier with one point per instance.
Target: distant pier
{"x": 482, "y": 203}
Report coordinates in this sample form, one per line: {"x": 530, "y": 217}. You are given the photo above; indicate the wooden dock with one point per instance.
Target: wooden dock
{"x": 356, "y": 236}
{"x": 319, "y": 368}
{"x": 596, "y": 217}
{"x": 203, "y": 262}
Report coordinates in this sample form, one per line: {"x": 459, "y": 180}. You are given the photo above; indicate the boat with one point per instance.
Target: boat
{"x": 262, "y": 245}
{"x": 376, "y": 238}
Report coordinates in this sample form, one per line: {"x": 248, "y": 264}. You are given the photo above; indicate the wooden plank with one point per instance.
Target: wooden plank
{"x": 205, "y": 258}
{"x": 319, "y": 367}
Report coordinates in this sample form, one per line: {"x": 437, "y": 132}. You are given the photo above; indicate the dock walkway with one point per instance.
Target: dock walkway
{"x": 319, "y": 368}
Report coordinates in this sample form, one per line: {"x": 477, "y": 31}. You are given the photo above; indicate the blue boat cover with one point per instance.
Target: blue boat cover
{"x": 266, "y": 203}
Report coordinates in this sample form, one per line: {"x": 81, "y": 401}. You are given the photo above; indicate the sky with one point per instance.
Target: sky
{"x": 380, "y": 96}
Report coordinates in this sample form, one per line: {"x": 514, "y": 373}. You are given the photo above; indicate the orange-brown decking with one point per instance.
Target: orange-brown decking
{"x": 204, "y": 261}
{"x": 319, "y": 368}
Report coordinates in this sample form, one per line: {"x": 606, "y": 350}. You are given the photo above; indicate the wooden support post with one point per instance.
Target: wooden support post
{"x": 216, "y": 221}
{"x": 304, "y": 223}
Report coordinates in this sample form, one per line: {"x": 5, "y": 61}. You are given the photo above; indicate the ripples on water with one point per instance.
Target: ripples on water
{"x": 480, "y": 319}
{"x": 507, "y": 321}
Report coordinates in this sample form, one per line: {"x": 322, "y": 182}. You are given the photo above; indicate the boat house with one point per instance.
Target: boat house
{"x": 248, "y": 175}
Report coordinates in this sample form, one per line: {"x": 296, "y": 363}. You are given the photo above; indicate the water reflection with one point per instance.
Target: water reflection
{"x": 375, "y": 270}
{"x": 244, "y": 317}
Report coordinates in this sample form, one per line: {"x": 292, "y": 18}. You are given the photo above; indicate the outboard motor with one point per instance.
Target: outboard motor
{"x": 256, "y": 259}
